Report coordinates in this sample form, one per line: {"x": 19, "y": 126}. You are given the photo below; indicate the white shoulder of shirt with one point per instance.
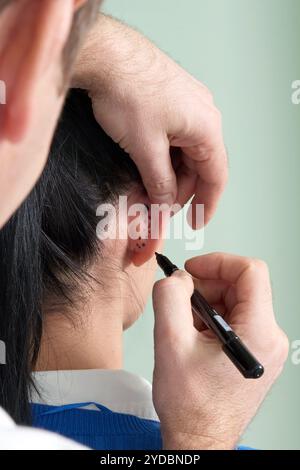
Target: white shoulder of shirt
{"x": 118, "y": 390}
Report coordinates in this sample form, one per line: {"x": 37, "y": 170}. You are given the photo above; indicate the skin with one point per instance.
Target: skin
{"x": 32, "y": 75}
{"x": 155, "y": 105}
{"x": 145, "y": 116}
{"x": 239, "y": 288}
{"x": 92, "y": 339}
{"x": 214, "y": 403}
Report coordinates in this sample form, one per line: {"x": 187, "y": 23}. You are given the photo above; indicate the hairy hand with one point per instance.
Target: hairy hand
{"x": 201, "y": 399}
{"x": 147, "y": 103}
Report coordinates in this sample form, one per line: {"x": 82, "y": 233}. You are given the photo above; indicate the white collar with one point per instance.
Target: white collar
{"x": 118, "y": 390}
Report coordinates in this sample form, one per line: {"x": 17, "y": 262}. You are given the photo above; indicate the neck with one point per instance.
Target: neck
{"x": 87, "y": 338}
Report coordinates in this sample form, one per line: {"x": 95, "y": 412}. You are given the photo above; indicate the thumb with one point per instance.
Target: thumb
{"x": 173, "y": 314}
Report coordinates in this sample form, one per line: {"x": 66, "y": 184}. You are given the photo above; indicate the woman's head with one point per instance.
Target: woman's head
{"x": 51, "y": 259}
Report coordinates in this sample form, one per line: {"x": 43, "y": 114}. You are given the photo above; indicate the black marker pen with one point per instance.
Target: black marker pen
{"x": 237, "y": 352}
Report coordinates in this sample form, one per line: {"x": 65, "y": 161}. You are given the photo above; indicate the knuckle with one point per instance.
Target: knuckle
{"x": 212, "y": 125}
{"x": 218, "y": 115}
{"x": 159, "y": 184}
{"x": 258, "y": 271}
{"x": 186, "y": 279}
{"x": 163, "y": 284}
{"x": 209, "y": 95}
{"x": 258, "y": 265}
{"x": 158, "y": 286}
{"x": 279, "y": 347}
{"x": 201, "y": 90}
{"x": 178, "y": 279}
{"x": 213, "y": 118}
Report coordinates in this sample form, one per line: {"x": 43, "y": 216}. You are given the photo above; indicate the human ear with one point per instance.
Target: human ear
{"x": 146, "y": 233}
{"x": 33, "y": 35}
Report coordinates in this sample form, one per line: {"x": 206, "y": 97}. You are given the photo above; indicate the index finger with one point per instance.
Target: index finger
{"x": 249, "y": 275}
{"x": 209, "y": 158}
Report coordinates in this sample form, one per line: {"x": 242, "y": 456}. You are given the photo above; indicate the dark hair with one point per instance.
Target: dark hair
{"x": 54, "y": 233}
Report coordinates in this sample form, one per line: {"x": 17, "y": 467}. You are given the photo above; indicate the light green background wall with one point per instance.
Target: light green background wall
{"x": 247, "y": 52}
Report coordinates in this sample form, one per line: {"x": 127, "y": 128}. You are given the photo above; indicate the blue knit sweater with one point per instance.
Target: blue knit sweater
{"x": 100, "y": 429}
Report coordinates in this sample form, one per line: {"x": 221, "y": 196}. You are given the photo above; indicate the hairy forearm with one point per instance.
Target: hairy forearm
{"x": 107, "y": 52}
{"x": 183, "y": 441}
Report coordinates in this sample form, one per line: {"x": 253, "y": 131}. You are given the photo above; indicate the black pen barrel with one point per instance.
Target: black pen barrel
{"x": 232, "y": 345}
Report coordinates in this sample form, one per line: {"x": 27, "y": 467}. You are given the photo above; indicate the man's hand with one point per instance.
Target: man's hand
{"x": 147, "y": 104}
{"x": 202, "y": 400}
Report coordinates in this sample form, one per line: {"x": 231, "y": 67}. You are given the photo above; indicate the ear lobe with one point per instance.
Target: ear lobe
{"x": 147, "y": 238}
{"x": 143, "y": 250}
{"x": 35, "y": 34}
